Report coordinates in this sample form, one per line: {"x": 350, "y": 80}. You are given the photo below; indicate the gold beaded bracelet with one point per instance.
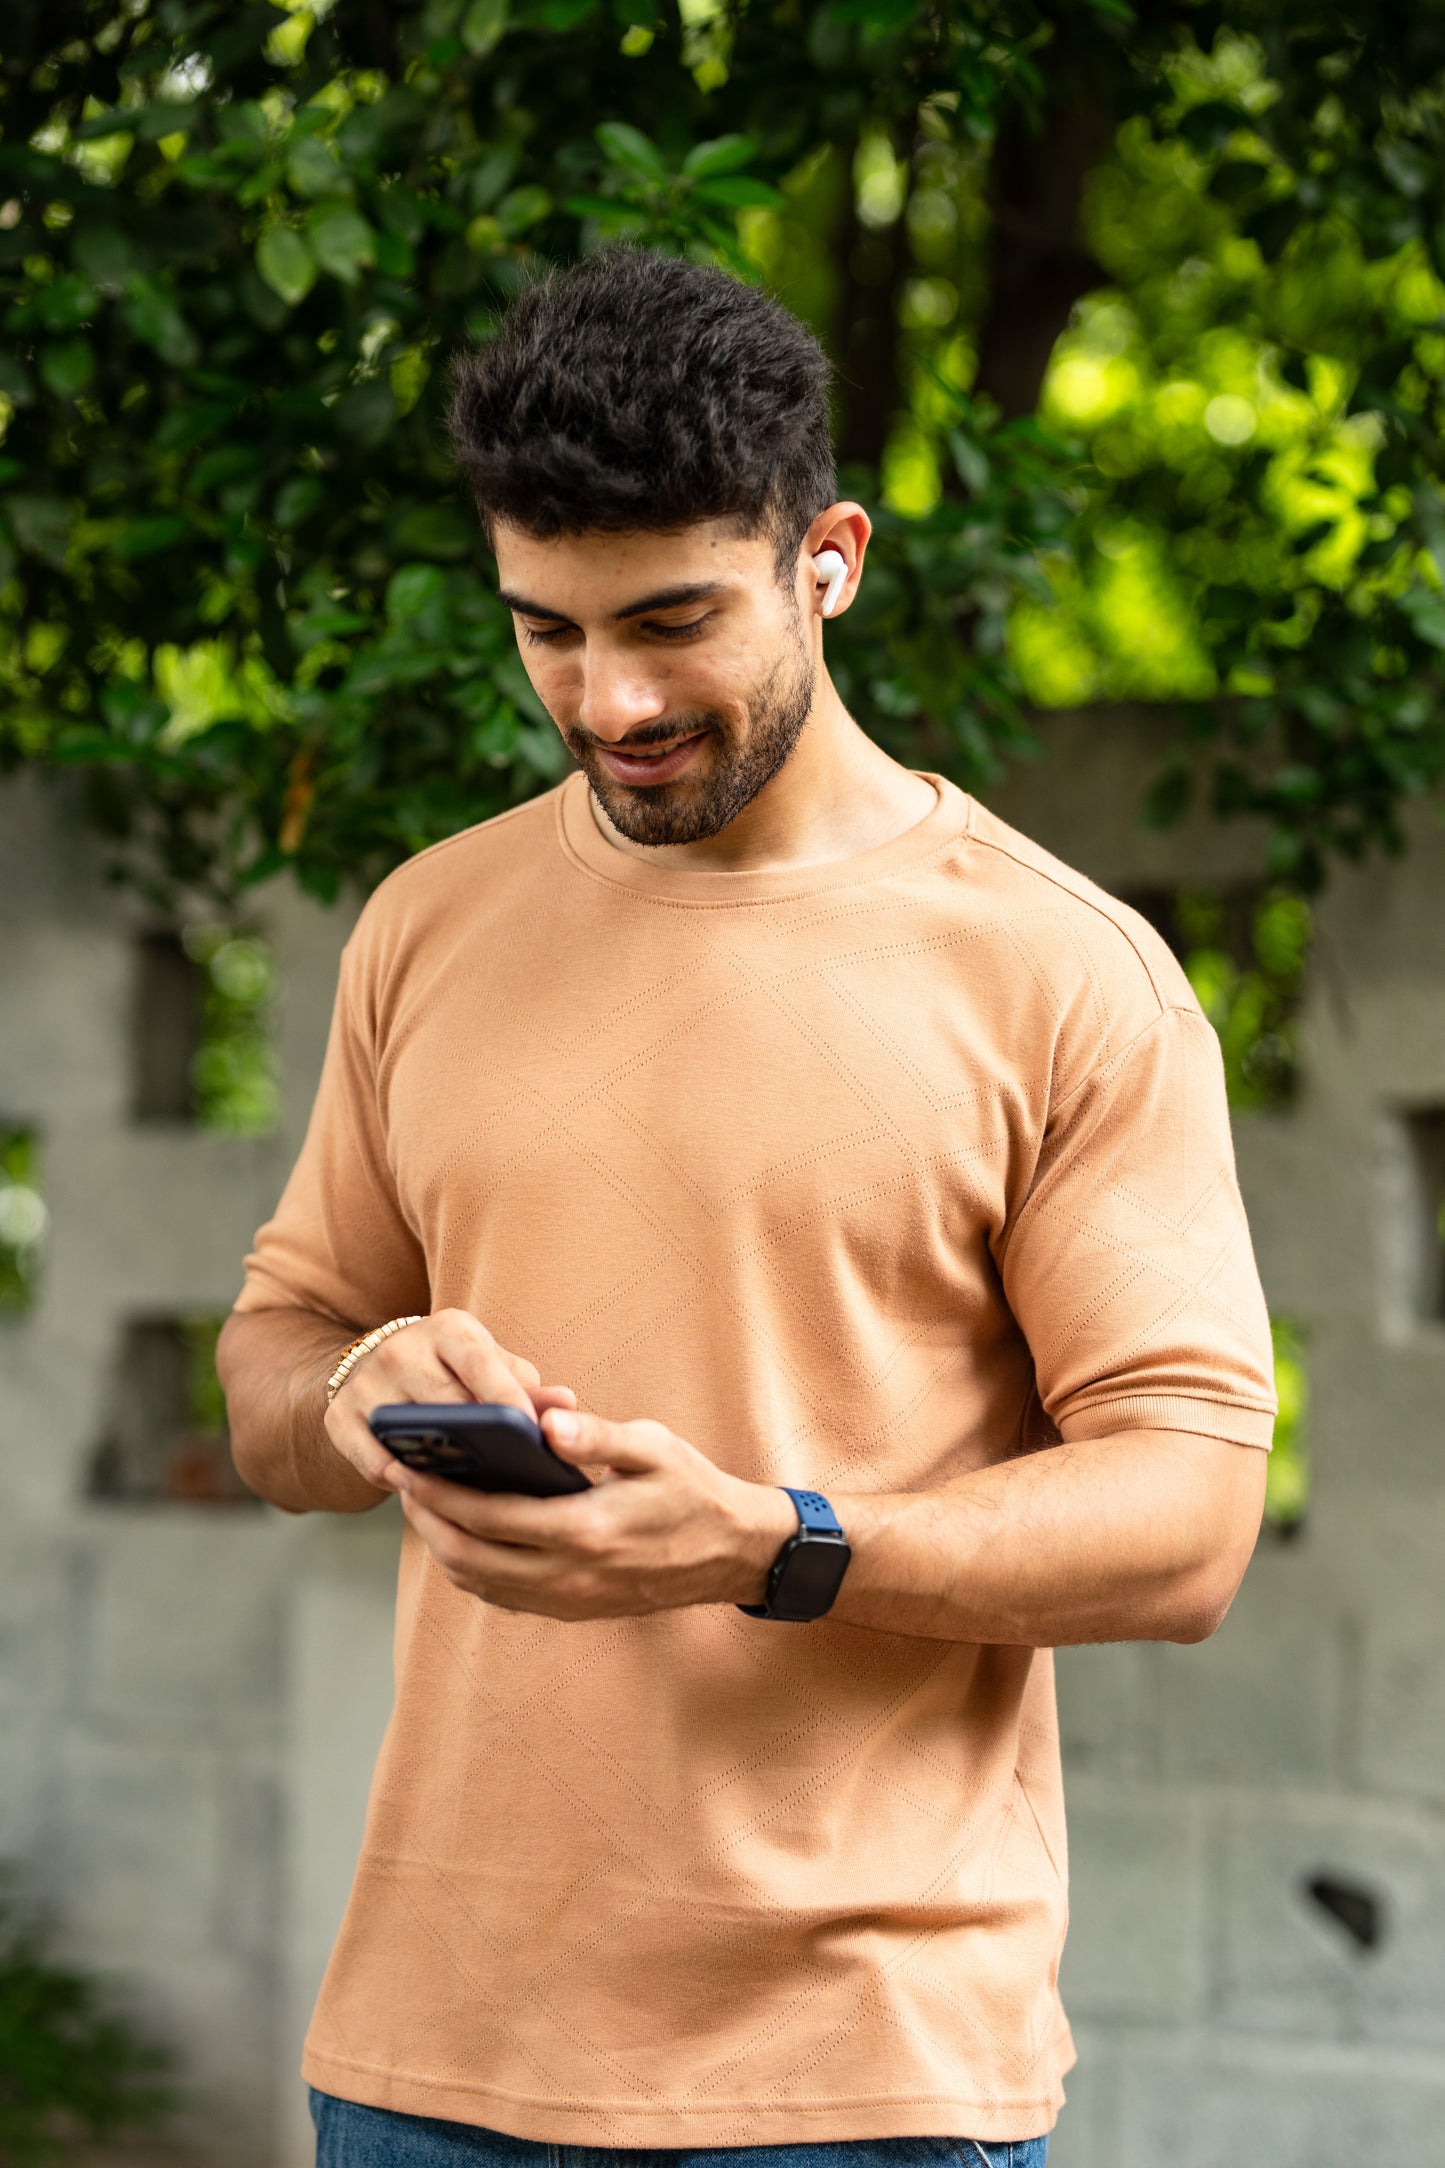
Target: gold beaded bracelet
{"x": 352, "y": 1356}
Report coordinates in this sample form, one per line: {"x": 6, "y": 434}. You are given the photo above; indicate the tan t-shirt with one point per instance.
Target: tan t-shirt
{"x": 858, "y": 1177}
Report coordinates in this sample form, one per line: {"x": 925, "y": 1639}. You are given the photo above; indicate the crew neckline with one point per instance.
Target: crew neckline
{"x": 583, "y": 842}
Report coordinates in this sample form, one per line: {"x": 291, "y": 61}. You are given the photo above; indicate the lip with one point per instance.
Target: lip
{"x": 661, "y": 768}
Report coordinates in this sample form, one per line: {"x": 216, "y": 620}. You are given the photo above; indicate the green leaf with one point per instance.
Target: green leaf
{"x": 312, "y": 168}
{"x": 67, "y": 303}
{"x": 107, "y": 254}
{"x": 342, "y": 242}
{"x": 483, "y": 24}
{"x": 435, "y": 530}
{"x": 118, "y": 121}
{"x": 40, "y": 525}
{"x": 559, "y": 14}
{"x": 68, "y": 366}
{"x": 522, "y": 208}
{"x": 286, "y": 263}
{"x": 264, "y": 182}
{"x": 148, "y": 537}
{"x": 412, "y": 590}
{"x": 970, "y": 462}
{"x": 610, "y": 209}
{"x": 1426, "y": 613}
{"x": 367, "y": 412}
{"x": 153, "y": 314}
{"x": 15, "y": 379}
{"x": 739, "y": 191}
{"x": 408, "y": 376}
{"x": 203, "y": 172}
{"x": 395, "y": 258}
{"x": 165, "y": 118}
{"x": 190, "y": 421}
{"x": 296, "y": 500}
{"x": 628, "y": 146}
{"x": 724, "y": 154}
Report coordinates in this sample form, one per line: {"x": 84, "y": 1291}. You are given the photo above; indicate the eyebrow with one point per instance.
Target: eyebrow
{"x": 665, "y": 598}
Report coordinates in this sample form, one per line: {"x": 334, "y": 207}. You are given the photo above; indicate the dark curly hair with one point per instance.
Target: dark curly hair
{"x": 633, "y": 390}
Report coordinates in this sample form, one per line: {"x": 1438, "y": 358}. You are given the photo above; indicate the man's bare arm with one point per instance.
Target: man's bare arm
{"x": 273, "y": 1366}
{"x": 301, "y": 1455}
{"x": 1141, "y": 1536}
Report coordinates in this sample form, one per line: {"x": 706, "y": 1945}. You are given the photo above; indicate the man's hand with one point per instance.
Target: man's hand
{"x": 447, "y": 1356}
{"x": 661, "y": 1527}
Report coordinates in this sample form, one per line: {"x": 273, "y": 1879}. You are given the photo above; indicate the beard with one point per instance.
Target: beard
{"x": 739, "y": 761}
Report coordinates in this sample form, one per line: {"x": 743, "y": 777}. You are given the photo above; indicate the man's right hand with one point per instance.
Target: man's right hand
{"x": 447, "y": 1356}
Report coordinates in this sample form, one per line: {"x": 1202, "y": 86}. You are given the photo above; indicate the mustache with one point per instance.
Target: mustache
{"x": 662, "y": 732}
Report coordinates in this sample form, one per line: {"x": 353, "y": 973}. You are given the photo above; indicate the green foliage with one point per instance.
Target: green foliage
{"x": 205, "y": 1400}
{"x": 238, "y": 244}
{"x": 23, "y": 1218}
{"x": 1262, "y": 395}
{"x": 923, "y": 653}
{"x": 236, "y": 250}
{"x": 233, "y": 1073}
{"x": 1246, "y": 958}
{"x": 69, "y": 2071}
{"x": 1287, "y": 1486}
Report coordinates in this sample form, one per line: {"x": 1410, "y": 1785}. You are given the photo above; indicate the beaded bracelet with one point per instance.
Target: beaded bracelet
{"x": 352, "y": 1356}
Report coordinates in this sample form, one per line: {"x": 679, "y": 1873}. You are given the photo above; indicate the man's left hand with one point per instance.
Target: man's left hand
{"x": 660, "y": 1528}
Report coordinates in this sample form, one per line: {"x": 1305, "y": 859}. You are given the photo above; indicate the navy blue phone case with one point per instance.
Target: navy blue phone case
{"x": 482, "y": 1444}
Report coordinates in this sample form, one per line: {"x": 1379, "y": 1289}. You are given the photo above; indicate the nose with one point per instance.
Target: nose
{"x": 616, "y": 696}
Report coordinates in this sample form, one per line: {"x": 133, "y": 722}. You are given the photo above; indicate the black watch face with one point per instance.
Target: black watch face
{"x": 811, "y": 1579}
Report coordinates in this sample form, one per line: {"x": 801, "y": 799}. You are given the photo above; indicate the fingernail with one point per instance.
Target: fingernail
{"x": 563, "y": 1426}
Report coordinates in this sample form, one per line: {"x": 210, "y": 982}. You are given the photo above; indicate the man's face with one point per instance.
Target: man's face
{"x": 676, "y": 666}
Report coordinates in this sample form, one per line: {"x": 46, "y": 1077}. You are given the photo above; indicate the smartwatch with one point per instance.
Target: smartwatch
{"x": 808, "y": 1571}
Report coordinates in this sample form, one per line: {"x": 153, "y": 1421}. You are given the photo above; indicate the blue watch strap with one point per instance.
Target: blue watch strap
{"x": 814, "y": 1511}
{"x": 815, "y": 1518}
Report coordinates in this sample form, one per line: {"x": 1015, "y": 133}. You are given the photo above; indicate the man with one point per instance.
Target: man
{"x": 801, "y": 1125}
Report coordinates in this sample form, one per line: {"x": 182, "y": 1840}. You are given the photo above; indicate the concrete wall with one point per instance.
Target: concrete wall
{"x": 1221, "y": 2014}
{"x": 147, "y": 1732}
{"x": 191, "y": 1697}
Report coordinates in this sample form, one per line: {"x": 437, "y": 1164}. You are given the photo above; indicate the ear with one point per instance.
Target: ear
{"x": 832, "y": 558}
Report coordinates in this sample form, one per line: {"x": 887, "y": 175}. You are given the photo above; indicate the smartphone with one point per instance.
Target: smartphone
{"x": 482, "y": 1444}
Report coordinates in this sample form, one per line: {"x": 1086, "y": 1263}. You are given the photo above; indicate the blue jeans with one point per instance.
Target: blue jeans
{"x": 348, "y": 2136}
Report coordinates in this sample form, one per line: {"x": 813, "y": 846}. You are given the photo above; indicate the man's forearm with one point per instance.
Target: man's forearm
{"x": 1142, "y": 1536}
{"x": 273, "y": 1365}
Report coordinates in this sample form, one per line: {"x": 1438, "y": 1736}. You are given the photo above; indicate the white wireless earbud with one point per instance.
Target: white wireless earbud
{"x": 832, "y": 566}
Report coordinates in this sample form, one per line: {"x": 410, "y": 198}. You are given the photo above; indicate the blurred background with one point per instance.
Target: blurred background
{"x": 1139, "y": 319}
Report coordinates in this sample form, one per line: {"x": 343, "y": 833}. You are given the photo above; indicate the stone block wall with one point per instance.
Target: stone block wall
{"x": 145, "y": 1720}
{"x": 1221, "y": 2012}
{"x": 190, "y": 1698}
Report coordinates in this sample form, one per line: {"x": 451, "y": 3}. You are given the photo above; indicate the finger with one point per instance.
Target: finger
{"x": 631, "y": 1448}
{"x": 471, "y": 1560}
{"x": 477, "y": 1362}
{"x": 527, "y": 1375}
{"x": 405, "y": 1367}
{"x": 499, "y": 1516}
{"x": 369, "y": 1459}
{"x": 553, "y": 1396}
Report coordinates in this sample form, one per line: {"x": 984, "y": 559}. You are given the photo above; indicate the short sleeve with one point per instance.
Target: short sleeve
{"x": 1129, "y": 1266}
{"x": 338, "y": 1243}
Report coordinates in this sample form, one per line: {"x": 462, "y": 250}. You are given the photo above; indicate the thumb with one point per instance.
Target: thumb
{"x": 630, "y": 1448}
{"x": 552, "y": 1396}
